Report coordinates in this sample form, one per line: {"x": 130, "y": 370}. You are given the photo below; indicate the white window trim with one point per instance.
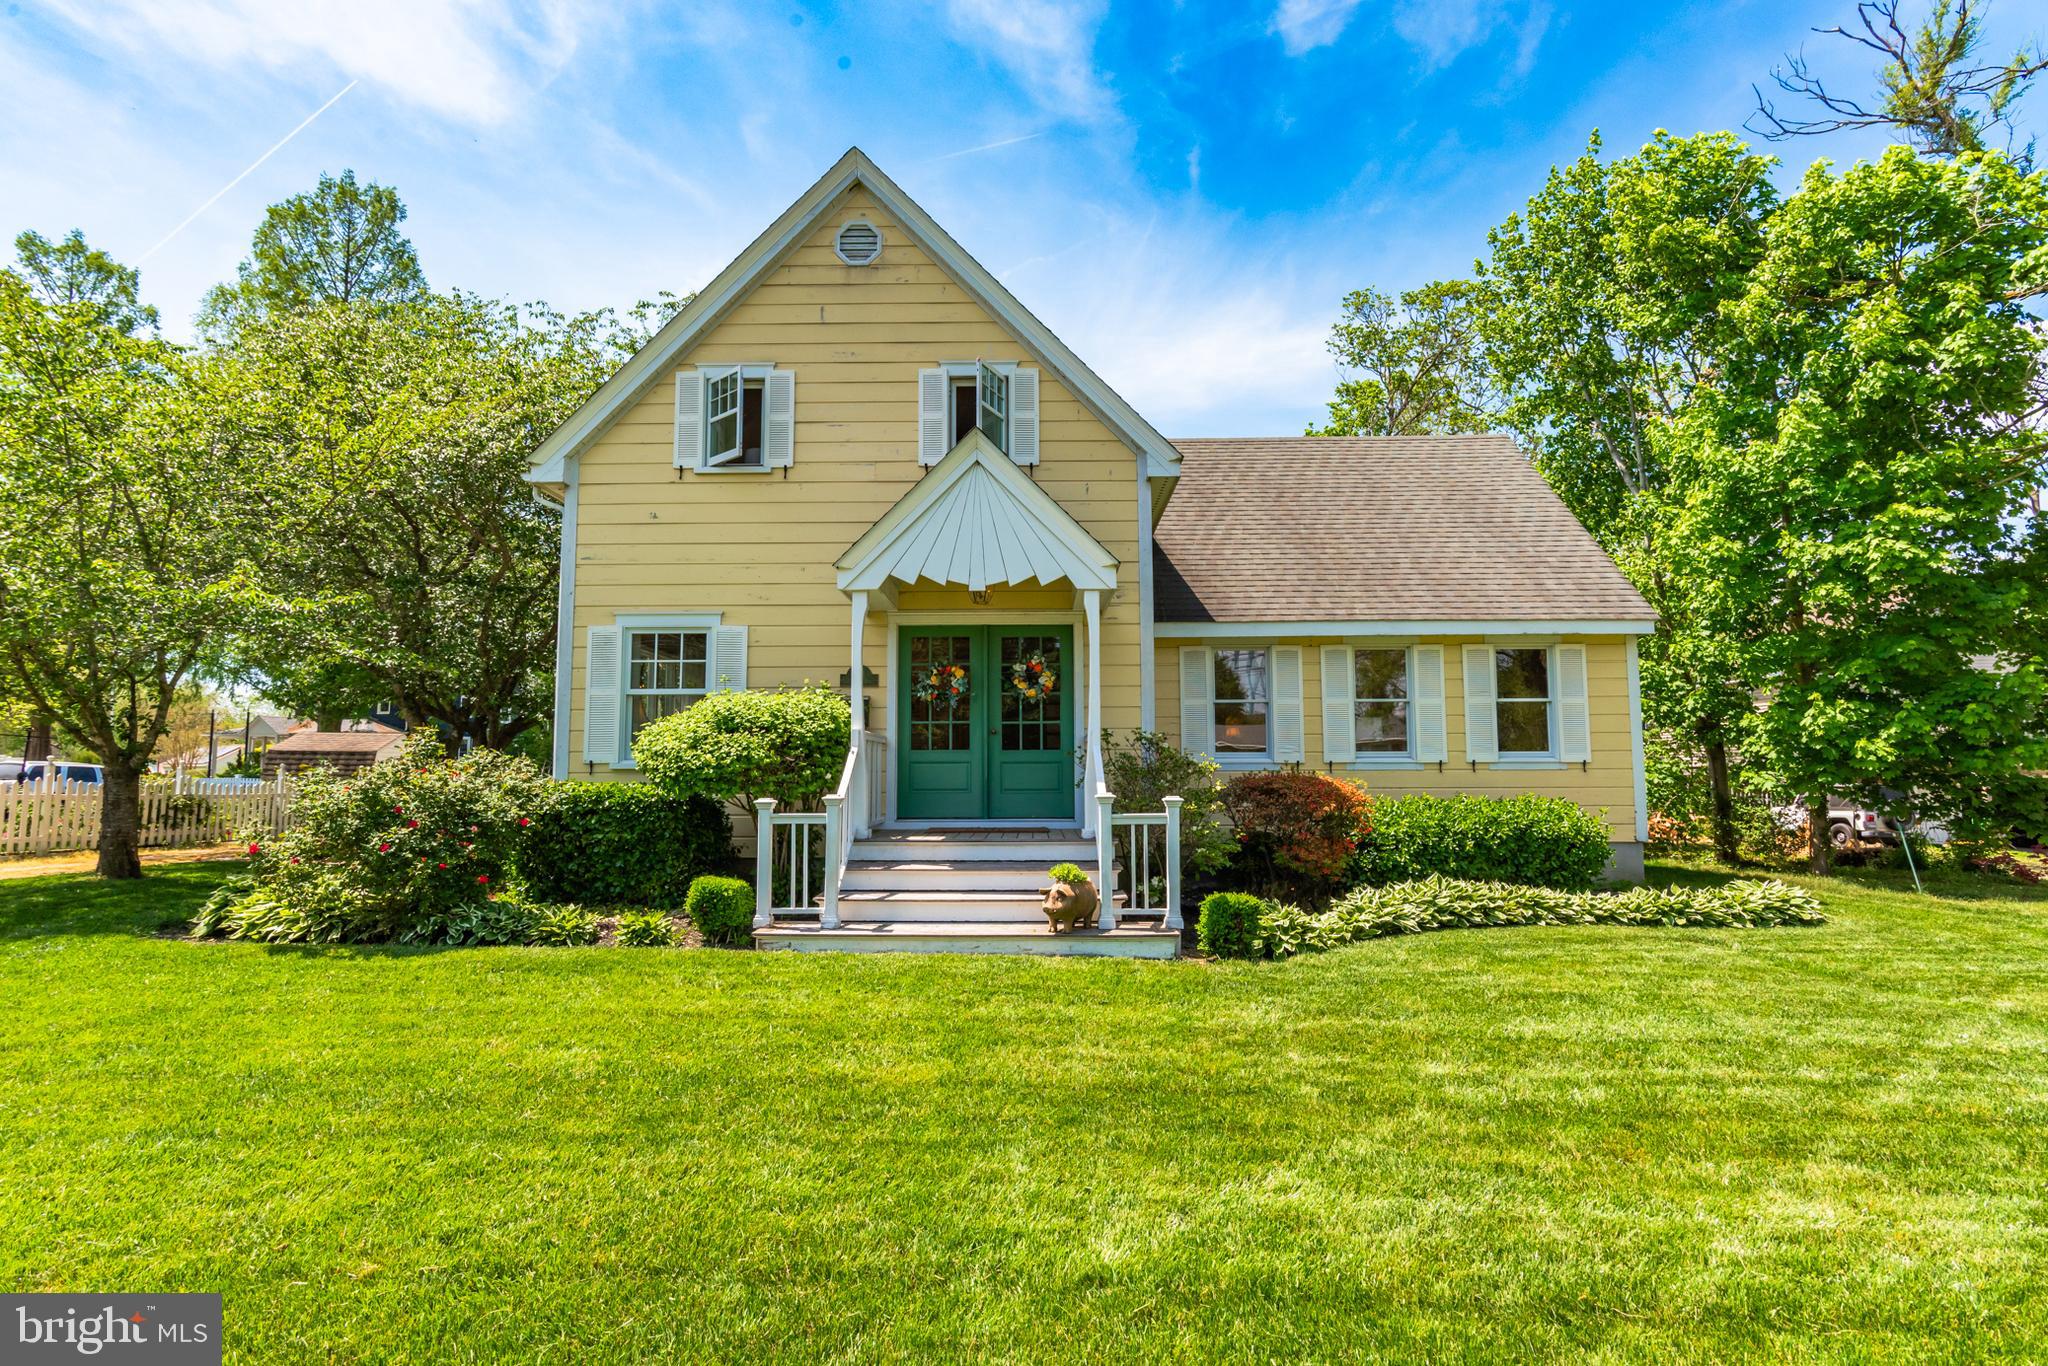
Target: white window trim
{"x": 1387, "y": 761}
{"x": 1531, "y": 761}
{"x": 1238, "y": 758}
{"x": 746, "y": 370}
{"x": 956, "y": 370}
{"x": 628, "y": 623}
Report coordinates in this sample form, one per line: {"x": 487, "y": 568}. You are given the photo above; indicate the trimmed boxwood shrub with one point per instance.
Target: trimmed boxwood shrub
{"x": 621, "y": 844}
{"x": 1229, "y": 925}
{"x": 789, "y": 744}
{"x": 722, "y": 909}
{"x": 1538, "y": 841}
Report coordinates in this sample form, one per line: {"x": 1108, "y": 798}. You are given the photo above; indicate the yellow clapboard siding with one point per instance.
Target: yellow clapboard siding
{"x": 1607, "y": 782}
{"x": 759, "y": 549}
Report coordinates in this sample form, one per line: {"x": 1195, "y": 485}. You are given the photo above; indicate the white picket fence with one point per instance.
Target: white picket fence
{"x": 53, "y": 815}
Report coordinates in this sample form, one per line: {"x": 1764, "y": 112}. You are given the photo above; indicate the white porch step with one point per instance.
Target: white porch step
{"x": 979, "y": 936}
{"x": 1023, "y": 844}
{"x": 897, "y": 904}
{"x": 1017, "y": 875}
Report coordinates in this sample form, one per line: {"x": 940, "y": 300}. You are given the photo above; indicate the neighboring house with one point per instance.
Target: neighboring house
{"x": 345, "y": 751}
{"x": 856, "y": 444}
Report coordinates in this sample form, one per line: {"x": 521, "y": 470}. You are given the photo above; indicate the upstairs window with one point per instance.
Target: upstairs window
{"x": 997, "y": 398}
{"x": 734, "y": 418}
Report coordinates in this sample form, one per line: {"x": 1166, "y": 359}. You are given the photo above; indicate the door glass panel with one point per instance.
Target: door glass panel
{"x": 941, "y": 685}
{"x": 1031, "y": 676}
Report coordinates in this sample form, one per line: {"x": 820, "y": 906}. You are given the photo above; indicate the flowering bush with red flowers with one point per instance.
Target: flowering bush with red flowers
{"x": 1295, "y": 832}
{"x": 416, "y": 849}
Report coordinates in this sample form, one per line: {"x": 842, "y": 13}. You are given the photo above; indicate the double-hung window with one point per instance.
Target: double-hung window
{"x": 665, "y": 672}
{"x": 1243, "y": 701}
{"x": 1380, "y": 702}
{"x": 1521, "y": 690}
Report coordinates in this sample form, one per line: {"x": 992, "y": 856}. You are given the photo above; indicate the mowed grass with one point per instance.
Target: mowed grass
{"x": 1590, "y": 1143}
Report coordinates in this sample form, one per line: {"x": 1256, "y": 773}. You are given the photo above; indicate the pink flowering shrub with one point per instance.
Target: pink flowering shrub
{"x": 417, "y": 849}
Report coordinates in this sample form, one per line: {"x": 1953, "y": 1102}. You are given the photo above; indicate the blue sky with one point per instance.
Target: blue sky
{"x": 1182, "y": 191}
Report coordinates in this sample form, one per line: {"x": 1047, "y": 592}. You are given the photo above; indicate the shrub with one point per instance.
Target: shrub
{"x": 1143, "y": 768}
{"x": 741, "y": 746}
{"x": 1439, "y": 903}
{"x": 621, "y": 844}
{"x": 564, "y": 927}
{"x": 722, "y": 909}
{"x": 1541, "y": 841}
{"x": 416, "y": 848}
{"x": 1229, "y": 925}
{"x": 647, "y": 930}
{"x": 1295, "y": 831}
{"x": 1069, "y": 873}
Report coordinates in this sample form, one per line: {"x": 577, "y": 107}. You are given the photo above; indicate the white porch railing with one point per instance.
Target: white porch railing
{"x": 1127, "y": 839}
{"x": 805, "y": 852}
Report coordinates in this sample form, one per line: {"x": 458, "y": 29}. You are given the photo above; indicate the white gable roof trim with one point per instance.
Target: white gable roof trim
{"x": 651, "y": 362}
{"x": 976, "y": 520}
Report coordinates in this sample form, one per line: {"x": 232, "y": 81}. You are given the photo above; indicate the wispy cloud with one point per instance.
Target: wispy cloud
{"x": 1304, "y": 25}
{"x": 1444, "y": 30}
{"x": 1048, "y": 45}
{"x": 470, "y": 62}
{"x": 989, "y": 146}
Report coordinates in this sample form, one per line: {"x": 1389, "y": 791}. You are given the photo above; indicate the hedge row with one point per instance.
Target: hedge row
{"x": 1231, "y": 928}
{"x": 1539, "y": 841}
{"x": 621, "y": 844}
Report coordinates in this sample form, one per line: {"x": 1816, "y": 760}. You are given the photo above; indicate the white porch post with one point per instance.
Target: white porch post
{"x": 1091, "y": 602}
{"x": 856, "y": 696}
{"x": 764, "y": 862}
{"x": 856, "y": 691}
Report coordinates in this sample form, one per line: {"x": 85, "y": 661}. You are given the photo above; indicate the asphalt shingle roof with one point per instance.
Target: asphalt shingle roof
{"x": 1403, "y": 528}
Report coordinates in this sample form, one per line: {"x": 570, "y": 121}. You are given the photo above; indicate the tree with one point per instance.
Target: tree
{"x": 422, "y": 566}
{"x": 1862, "y": 463}
{"x": 126, "y": 552}
{"x": 1934, "y": 86}
{"x": 1412, "y": 365}
{"x": 71, "y": 273}
{"x": 340, "y": 243}
{"x": 1599, "y": 315}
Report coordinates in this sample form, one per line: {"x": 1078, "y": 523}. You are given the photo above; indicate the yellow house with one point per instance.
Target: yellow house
{"x": 856, "y": 459}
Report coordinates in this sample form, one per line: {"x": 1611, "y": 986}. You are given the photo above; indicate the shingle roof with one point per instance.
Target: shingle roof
{"x": 1404, "y": 528}
{"x": 337, "y": 742}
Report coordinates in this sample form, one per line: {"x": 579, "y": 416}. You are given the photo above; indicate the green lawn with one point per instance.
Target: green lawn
{"x": 1588, "y": 1143}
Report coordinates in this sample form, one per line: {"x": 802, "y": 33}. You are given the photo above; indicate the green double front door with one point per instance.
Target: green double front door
{"x": 986, "y": 723}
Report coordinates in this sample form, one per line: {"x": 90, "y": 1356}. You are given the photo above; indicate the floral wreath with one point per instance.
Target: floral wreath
{"x": 941, "y": 683}
{"x": 1034, "y": 676}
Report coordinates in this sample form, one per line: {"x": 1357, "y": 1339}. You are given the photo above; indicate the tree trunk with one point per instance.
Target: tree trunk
{"x": 1817, "y": 835}
{"x": 121, "y": 822}
{"x": 1723, "y": 814}
{"x": 327, "y": 720}
{"x": 38, "y": 744}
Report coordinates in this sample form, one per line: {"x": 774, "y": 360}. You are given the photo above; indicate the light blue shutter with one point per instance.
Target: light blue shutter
{"x": 933, "y": 417}
{"x": 778, "y": 446}
{"x": 1024, "y": 416}
{"x": 728, "y": 658}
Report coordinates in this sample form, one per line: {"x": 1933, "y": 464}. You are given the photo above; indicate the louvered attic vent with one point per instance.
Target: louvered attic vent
{"x": 859, "y": 243}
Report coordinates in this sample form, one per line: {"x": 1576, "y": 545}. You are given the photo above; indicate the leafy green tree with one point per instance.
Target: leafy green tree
{"x": 425, "y": 565}
{"x": 1861, "y": 466}
{"x": 339, "y": 243}
{"x": 127, "y": 546}
{"x": 1600, "y": 317}
{"x": 72, "y": 273}
{"x": 1933, "y": 84}
{"x": 1412, "y": 365}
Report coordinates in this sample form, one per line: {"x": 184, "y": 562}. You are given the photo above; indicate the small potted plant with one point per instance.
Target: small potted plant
{"x": 1071, "y": 903}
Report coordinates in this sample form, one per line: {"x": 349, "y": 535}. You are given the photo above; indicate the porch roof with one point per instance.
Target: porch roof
{"x": 975, "y": 520}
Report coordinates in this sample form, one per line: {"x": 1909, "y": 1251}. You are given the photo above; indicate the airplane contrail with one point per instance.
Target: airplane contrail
{"x": 245, "y": 174}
